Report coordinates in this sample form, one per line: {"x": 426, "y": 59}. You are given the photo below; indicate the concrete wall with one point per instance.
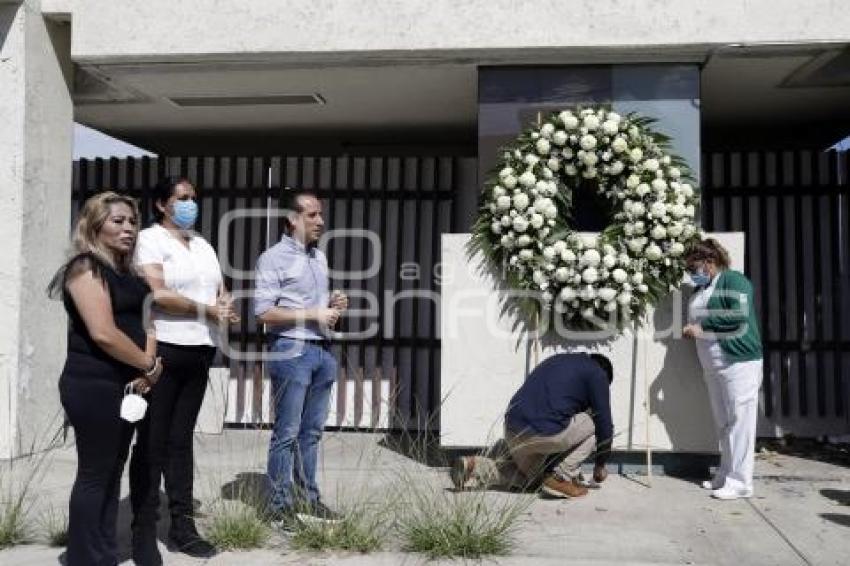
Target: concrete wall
{"x": 164, "y": 29}
{"x": 485, "y": 358}
{"x": 35, "y": 176}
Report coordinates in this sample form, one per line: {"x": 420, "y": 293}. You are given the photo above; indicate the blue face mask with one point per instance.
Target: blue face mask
{"x": 700, "y": 278}
{"x": 185, "y": 213}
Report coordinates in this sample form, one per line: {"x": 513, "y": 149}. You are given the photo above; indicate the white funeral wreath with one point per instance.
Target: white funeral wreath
{"x": 524, "y": 231}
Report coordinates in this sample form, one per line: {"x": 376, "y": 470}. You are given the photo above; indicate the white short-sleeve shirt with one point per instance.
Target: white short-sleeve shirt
{"x": 193, "y": 272}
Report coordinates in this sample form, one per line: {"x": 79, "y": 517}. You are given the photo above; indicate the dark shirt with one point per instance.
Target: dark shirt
{"x": 556, "y": 390}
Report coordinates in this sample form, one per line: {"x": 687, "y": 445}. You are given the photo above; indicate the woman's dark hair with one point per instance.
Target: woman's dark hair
{"x": 164, "y": 190}
{"x": 710, "y": 250}
{"x": 605, "y": 364}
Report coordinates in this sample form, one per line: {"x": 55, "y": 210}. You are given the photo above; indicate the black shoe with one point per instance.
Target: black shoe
{"x": 183, "y": 537}
{"x": 318, "y": 512}
{"x": 145, "y": 551}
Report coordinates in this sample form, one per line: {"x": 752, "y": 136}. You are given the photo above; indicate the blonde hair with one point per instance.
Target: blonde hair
{"x": 93, "y": 216}
{"x": 711, "y": 250}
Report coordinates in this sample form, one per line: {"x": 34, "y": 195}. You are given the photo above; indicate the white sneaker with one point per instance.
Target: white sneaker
{"x": 732, "y": 493}
{"x": 711, "y": 484}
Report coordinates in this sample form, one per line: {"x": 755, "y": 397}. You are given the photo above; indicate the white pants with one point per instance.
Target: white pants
{"x": 733, "y": 392}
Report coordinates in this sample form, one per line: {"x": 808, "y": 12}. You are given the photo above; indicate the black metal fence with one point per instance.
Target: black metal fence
{"x": 794, "y": 207}
{"x": 389, "y": 378}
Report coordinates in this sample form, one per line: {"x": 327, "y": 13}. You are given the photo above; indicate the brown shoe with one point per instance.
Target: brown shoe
{"x": 556, "y": 486}
{"x": 461, "y": 471}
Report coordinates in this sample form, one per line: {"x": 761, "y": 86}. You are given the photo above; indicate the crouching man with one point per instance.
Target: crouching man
{"x": 558, "y": 418}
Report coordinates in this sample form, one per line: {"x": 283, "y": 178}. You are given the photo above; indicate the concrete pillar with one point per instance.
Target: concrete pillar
{"x": 36, "y": 125}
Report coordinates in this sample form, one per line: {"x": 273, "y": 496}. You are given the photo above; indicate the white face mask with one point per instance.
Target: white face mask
{"x": 133, "y": 406}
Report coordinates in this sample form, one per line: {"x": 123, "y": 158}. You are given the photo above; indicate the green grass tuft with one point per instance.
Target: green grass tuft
{"x": 360, "y": 530}
{"x": 236, "y": 526}
{"x": 53, "y": 525}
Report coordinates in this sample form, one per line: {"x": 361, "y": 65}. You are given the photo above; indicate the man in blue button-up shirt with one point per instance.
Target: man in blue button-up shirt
{"x": 292, "y": 300}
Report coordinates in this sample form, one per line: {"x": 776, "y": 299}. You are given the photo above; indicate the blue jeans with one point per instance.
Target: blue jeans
{"x": 302, "y": 375}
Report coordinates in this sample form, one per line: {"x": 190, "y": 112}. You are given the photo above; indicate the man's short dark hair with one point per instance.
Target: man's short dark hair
{"x": 606, "y": 366}
{"x": 290, "y": 199}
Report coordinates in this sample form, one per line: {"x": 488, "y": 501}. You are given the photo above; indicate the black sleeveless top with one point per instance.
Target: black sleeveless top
{"x": 127, "y": 293}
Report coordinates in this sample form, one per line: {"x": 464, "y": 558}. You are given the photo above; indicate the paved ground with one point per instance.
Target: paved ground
{"x": 800, "y": 514}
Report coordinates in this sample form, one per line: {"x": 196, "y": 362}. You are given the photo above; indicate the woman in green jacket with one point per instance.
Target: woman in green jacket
{"x": 722, "y": 320}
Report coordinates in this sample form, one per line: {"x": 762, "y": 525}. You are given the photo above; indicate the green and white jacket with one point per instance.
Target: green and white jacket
{"x": 734, "y": 317}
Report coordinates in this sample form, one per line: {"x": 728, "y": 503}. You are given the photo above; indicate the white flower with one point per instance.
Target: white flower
{"x": 520, "y": 224}
{"x": 535, "y": 135}
{"x": 624, "y": 298}
{"x": 506, "y": 172}
{"x": 524, "y": 241}
{"x": 687, "y": 190}
{"x": 624, "y": 259}
{"x": 559, "y": 246}
{"x": 561, "y": 274}
{"x": 507, "y": 241}
{"x": 547, "y": 173}
{"x": 507, "y": 220}
{"x": 640, "y": 227}
{"x": 503, "y": 202}
{"x": 570, "y": 170}
{"x": 690, "y": 211}
{"x": 591, "y": 122}
{"x": 635, "y": 244}
{"x": 651, "y": 165}
{"x": 658, "y": 209}
{"x": 637, "y": 278}
{"x": 542, "y": 187}
{"x": 659, "y": 185}
{"x": 619, "y": 145}
{"x": 589, "y": 173}
{"x": 632, "y": 181}
{"x": 642, "y": 288}
{"x": 619, "y": 275}
{"x": 610, "y": 306}
{"x": 496, "y": 227}
{"x": 538, "y": 277}
{"x": 547, "y": 297}
{"x": 674, "y": 173}
{"x": 568, "y": 153}
{"x": 653, "y": 252}
{"x": 610, "y": 127}
{"x": 498, "y": 191}
{"x": 617, "y": 167}
{"x": 677, "y": 249}
{"x": 514, "y": 259}
{"x": 559, "y": 137}
{"x": 567, "y": 116}
{"x": 536, "y": 221}
{"x": 568, "y": 256}
{"x": 588, "y": 240}
{"x": 688, "y": 231}
{"x": 590, "y": 257}
{"x": 509, "y": 181}
{"x": 606, "y": 294}
{"x": 638, "y": 209}
{"x": 553, "y": 164}
{"x": 531, "y": 160}
{"x": 587, "y": 293}
{"x": 521, "y": 201}
{"x": 588, "y": 313}
{"x": 547, "y": 130}
{"x": 590, "y": 159}
{"x": 614, "y": 117}
{"x": 677, "y": 210}
{"x": 658, "y": 232}
{"x": 543, "y": 146}
{"x": 642, "y": 189}
{"x": 589, "y": 275}
{"x": 527, "y": 179}
{"x": 588, "y": 142}
{"x": 636, "y": 154}
{"x": 567, "y": 294}
{"x": 526, "y": 254}
{"x": 542, "y": 204}
{"x": 551, "y": 212}
{"x": 674, "y": 230}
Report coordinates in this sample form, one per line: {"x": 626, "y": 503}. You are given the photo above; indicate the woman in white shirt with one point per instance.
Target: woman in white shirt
{"x": 191, "y": 305}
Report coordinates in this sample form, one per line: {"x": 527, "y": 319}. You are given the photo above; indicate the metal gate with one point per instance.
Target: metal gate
{"x": 388, "y": 379}
{"x": 794, "y": 207}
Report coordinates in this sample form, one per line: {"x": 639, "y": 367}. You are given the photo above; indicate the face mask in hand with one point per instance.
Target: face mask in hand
{"x": 700, "y": 278}
{"x": 185, "y": 213}
{"x": 133, "y": 406}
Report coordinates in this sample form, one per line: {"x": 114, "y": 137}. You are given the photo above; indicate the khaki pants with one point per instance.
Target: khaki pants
{"x": 521, "y": 460}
